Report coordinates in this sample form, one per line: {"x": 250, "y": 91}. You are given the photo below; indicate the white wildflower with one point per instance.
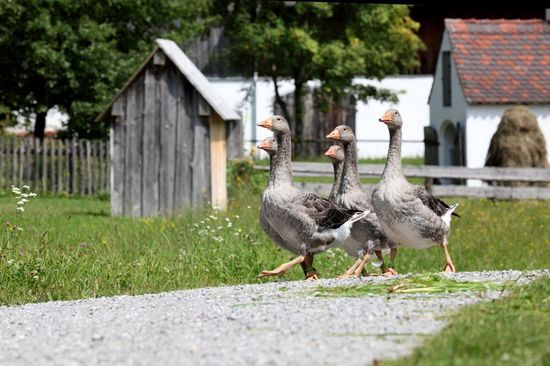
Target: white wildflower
{"x": 24, "y": 195}
{"x": 15, "y": 190}
{"x": 26, "y": 187}
{"x": 229, "y": 224}
{"x": 237, "y": 216}
{"x": 32, "y": 194}
{"x": 248, "y": 206}
{"x": 20, "y": 202}
{"x": 20, "y": 209}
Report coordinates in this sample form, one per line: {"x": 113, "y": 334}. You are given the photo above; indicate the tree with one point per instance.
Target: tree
{"x": 76, "y": 54}
{"x": 328, "y": 42}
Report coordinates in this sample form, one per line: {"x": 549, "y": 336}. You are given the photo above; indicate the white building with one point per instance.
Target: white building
{"x": 484, "y": 67}
{"x": 372, "y": 136}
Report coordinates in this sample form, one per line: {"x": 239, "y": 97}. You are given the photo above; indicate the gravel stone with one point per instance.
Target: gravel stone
{"x": 276, "y": 323}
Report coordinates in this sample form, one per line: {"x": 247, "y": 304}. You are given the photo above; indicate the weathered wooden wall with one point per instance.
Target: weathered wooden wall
{"x": 160, "y": 145}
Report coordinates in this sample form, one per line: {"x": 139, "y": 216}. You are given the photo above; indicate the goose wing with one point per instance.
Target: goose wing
{"x": 433, "y": 203}
{"x": 325, "y": 213}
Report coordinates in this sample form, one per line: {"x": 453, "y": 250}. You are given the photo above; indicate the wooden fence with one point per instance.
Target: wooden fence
{"x": 52, "y": 165}
{"x": 431, "y": 172}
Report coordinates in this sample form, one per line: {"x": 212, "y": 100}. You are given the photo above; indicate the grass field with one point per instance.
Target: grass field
{"x": 72, "y": 248}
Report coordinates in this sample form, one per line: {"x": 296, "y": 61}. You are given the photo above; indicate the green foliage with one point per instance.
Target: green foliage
{"x": 330, "y": 42}
{"x": 76, "y": 54}
{"x": 509, "y": 331}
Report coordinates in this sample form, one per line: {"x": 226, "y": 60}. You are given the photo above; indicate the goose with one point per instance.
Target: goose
{"x": 336, "y": 154}
{"x": 305, "y": 222}
{"x": 269, "y": 145}
{"x": 367, "y": 235}
{"x": 408, "y": 213}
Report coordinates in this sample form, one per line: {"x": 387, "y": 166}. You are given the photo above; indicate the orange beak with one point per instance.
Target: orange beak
{"x": 386, "y": 118}
{"x": 266, "y": 123}
{"x": 330, "y": 153}
{"x": 263, "y": 145}
{"x": 334, "y": 135}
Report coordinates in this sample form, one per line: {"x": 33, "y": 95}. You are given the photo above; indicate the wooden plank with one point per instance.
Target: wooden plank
{"x": 137, "y": 149}
{"x": 14, "y": 157}
{"x": 44, "y": 182}
{"x": 28, "y": 161}
{"x": 201, "y": 158}
{"x": 117, "y": 150}
{"x": 81, "y": 167}
{"x": 89, "y": 177}
{"x": 2, "y": 165}
{"x": 101, "y": 173}
{"x": 51, "y": 164}
{"x": 36, "y": 164}
{"x": 429, "y": 171}
{"x": 493, "y": 192}
{"x": 21, "y": 163}
{"x": 72, "y": 172}
{"x": 218, "y": 159}
{"x": 184, "y": 148}
{"x": 159, "y": 59}
{"x": 168, "y": 116}
{"x": 132, "y": 185}
{"x": 151, "y": 147}
{"x": 60, "y": 147}
{"x": 95, "y": 166}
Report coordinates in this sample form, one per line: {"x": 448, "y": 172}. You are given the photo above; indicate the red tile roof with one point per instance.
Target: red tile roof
{"x": 502, "y": 61}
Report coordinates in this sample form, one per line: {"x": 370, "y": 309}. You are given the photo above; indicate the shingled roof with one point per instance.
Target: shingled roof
{"x": 502, "y": 61}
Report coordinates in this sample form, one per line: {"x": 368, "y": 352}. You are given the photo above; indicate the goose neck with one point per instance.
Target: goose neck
{"x": 337, "y": 165}
{"x": 393, "y": 161}
{"x": 280, "y": 166}
{"x": 350, "y": 176}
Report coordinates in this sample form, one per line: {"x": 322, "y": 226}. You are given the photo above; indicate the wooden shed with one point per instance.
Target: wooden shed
{"x": 171, "y": 135}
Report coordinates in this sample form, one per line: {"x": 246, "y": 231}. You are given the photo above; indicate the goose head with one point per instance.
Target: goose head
{"x": 343, "y": 134}
{"x": 277, "y": 124}
{"x": 392, "y": 119}
{"x": 335, "y": 153}
{"x": 269, "y": 145}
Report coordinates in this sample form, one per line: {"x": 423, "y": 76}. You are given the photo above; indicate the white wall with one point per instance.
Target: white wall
{"x": 482, "y": 122}
{"x": 236, "y": 92}
{"x": 412, "y": 105}
{"x": 454, "y": 113}
{"x": 55, "y": 121}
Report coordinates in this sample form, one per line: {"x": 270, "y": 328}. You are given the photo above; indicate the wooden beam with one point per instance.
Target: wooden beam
{"x": 204, "y": 108}
{"x": 159, "y": 59}
{"x": 218, "y": 158}
{"x": 304, "y": 169}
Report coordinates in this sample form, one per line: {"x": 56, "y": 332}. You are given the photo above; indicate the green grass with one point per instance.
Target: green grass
{"x": 423, "y": 283}
{"x": 72, "y": 248}
{"x": 508, "y": 331}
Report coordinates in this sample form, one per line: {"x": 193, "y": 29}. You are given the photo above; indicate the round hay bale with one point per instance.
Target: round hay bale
{"x": 518, "y": 142}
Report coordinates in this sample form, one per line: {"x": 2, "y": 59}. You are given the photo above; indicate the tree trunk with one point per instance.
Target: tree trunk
{"x": 280, "y": 101}
{"x": 299, "y": 116}
{"x": 40, "y": 125}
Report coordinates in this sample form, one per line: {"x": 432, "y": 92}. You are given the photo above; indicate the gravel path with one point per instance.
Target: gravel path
{"x": 277, "y": 323}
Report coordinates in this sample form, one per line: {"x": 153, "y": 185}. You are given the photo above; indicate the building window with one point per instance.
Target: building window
{"x": 446, "y": 78}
